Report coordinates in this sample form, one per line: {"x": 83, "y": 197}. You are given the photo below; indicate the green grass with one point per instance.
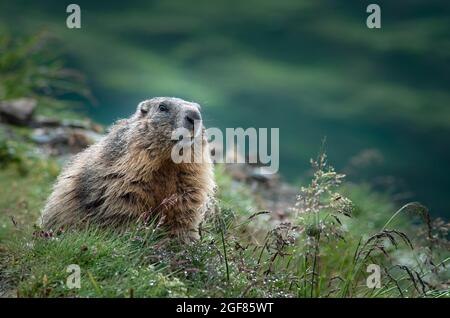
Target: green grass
{"x": 111, "y": 266}
{"x": 237, "y": 256}
{"x": 25, "y": 180}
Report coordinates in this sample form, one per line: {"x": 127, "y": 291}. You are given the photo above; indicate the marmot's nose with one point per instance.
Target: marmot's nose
{"x": 191, "y": 116}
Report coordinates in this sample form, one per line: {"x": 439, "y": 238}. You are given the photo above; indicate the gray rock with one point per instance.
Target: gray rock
{"x": 262, "y": 174}
{"x": 62, "y": 140}
{"x": 46, "y": 122}
{"x": 17, "y": 111}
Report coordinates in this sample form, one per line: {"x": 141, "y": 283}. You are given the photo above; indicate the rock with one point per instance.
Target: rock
{"x": 263, "y": 175}
{"x": 41, "y": 137}
{"x": 79, "y": 139}
{"x": 17, "y": 111}
{"x": 238, "y": 171}
{"x": 61, "y": 140}
{"x": 82, "y": 124}
{"x": 41, "y": 121}
{"x": 272, "y": 193}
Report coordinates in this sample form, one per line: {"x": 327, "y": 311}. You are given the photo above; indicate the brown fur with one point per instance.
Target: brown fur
{"x": 129, "y": 174}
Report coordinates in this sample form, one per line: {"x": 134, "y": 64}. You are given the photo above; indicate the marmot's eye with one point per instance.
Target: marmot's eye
{"x": 163, "y": 108}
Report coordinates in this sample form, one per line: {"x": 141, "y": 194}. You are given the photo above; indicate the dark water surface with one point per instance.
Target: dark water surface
{"x": 310, "y": 68}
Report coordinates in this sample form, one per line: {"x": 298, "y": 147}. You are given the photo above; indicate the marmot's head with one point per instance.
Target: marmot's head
{"x": 160, "y": 117}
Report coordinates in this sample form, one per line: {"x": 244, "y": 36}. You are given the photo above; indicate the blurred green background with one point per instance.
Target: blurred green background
{"x": 312, "y": 68}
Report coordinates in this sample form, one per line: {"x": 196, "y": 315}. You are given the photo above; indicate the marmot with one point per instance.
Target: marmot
{"x": 129, "y": 173}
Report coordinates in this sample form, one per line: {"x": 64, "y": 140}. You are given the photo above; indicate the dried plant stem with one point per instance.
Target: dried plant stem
{"x": 225, "y": 254}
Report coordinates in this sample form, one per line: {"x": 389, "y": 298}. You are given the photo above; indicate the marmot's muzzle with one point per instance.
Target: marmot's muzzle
{"x": 192, "y": 121}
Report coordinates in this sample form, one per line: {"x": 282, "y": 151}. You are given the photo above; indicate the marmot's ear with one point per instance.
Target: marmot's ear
{"x": 143, "y": 108}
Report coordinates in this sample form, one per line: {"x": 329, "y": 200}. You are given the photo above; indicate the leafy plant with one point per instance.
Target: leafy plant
{"x": 31, "y": 66}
